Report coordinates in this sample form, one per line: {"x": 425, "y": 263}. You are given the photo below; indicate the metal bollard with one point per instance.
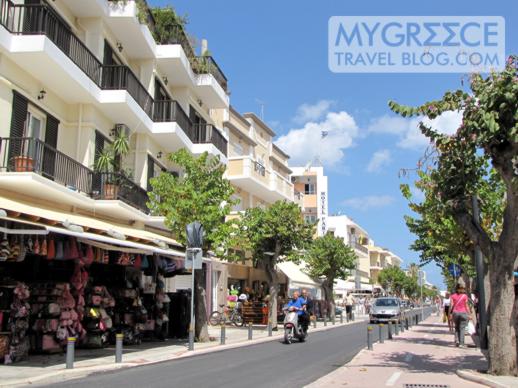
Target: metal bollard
{"x": 396, "y": 327}
{"x": 347, "y": 318}
{"x": 369, "y": 337}
{"x": 315, "y": 323}
{"x": 250, "y": 330}
{"x": 389, "y": 330}
{"x": 380, "y": 326}
{"x": 401, "y": 326}
{"x": 325, "y": 320}
{"x": 333, "y": 319}
{"x": 223, "y": 334}
{"x": 406, "y": 323}
{"x": 341, "y": 318}
{"x": 71, "y": 343}
{"x": 119, "y": 337}
{"x": 270, "y": 328}
{"x": 352, "y": 316}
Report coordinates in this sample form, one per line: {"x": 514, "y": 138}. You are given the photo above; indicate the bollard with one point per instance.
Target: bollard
{"x": 381, "y": 332}
{"x": 396, "y": 328}
{"x": 325, "y": 320}
{"x": 347, "y": 317}
{"x": 71, "y": 343}
{"x": 223, "y": 334}
{"x": 270, "y": 328}
{"x": 315, "y": 322}
{"x": 333, "y": 318}
{"x": 389, "y": 329}
{"x": 369, "y": 337}
{"x": 406, "y": 323}
{"x": 250, "y": 330}
{"x": 119, "y": 337}
{"x": 341, "y": 318}
{"x": 352, "y": 316}
{"x": 401, "y": 326}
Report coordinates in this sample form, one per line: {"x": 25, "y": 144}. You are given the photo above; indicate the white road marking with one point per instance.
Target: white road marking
{"x": 392, "y": 380}
{"x": 409, "y": 357}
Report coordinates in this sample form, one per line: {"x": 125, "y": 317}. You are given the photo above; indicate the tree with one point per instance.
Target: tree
{"x": 486, "y": 140}
{"x": 411, "y": 286}
{"x": 199, "y": 194}
{"x": 329, "y": 258}
{"x": 273, "y": 235}
{"x": 392, "y": 279}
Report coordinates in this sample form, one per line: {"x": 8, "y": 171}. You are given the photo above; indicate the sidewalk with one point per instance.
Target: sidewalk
{"x": 46, "y": 369}
{"x": 425, "y": 354}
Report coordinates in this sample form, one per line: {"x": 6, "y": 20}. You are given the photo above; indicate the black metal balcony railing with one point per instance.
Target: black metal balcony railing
{"x": 120, "y": 77}
{"x": 37, "y": 19}
{"x": 116, "y": 186}
{"x": 207, "y": 133}
{"x": 259, "y": 168}
{"x": 170, "y": 110}
{"x": 25, "y": 154}
{"x": 207, "y": 65}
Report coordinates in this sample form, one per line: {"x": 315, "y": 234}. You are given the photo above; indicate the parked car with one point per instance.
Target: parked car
{"x": 386, "y": 309}
{"x": 338, "y": 310}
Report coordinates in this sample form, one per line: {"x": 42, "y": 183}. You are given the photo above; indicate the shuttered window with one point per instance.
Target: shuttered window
{"x": 18, "y": 119}
{"x": 51, "y": 139}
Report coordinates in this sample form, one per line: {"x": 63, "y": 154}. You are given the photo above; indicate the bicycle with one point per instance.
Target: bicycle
{"x": 227, "y": 315}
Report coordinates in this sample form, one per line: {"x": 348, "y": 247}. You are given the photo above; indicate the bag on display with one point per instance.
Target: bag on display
{"x": 51, "y": 249}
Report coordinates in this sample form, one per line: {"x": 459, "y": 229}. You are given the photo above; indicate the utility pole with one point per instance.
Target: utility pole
{"x": 479, "y": 265}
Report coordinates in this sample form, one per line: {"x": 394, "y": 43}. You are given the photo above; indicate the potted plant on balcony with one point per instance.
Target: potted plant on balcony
{"x": 108, "y": 164}
{"x": 23, "y": 162}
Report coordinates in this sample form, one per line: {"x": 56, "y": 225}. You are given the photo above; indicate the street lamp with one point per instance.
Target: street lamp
{"x": 421, "y": 284}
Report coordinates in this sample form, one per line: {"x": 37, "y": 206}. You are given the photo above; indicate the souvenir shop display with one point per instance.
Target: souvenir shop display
{"x": 14, "y": 343}
{"x": 97, "y": 319}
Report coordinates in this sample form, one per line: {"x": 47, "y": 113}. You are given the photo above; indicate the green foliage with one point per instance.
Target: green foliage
{"x": 330, "y": 257}
{"x": 393, "y": 280}
{"x": 167, "y": 24}
{"x": 108, "y": 159}
{"x": 476, "y": 160}
{"x": 200, "y": 194}
{"x": 411, "y": 286}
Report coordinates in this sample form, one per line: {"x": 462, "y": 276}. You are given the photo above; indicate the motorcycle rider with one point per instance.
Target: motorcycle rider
{"x": 306, "y": 300}
{"x": 299, "y": 305}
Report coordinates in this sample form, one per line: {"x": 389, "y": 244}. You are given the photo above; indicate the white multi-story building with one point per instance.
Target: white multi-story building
{"x": 311, "y": 194}
{"x": 358, "y": 239}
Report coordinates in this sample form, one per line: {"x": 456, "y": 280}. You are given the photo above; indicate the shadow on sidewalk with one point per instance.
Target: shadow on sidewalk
{"x": 429, "y": 363}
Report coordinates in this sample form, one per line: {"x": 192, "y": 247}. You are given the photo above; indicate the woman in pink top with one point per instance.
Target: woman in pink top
{"x": 460, "y": 312}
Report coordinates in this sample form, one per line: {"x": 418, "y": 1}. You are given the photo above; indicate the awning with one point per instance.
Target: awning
{"x": 296, "y": 276}
{"x": 115, "y": 235}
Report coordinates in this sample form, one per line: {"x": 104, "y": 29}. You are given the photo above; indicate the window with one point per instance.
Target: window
{"x": 309, "y": 189}
{"x": 35, "y": 127}
{"x": 238, "y": 149}
{"x": 310, "y": 219}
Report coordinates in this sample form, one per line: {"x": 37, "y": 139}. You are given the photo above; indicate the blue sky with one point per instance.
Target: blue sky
{"x": 276, "y": 52}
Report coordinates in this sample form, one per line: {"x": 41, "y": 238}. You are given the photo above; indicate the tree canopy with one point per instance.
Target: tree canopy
{"x": 392, "y": 279}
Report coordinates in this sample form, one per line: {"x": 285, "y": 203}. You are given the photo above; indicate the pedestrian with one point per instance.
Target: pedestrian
{"x": 446, "y": 309}
{"x": 349, "y": 301}
{"x": 460, "y": 312}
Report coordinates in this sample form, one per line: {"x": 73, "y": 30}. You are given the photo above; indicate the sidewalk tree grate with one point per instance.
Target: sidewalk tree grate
{"x": 425, "y": 386}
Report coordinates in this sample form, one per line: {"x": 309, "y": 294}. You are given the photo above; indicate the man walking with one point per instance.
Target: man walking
{"x": 349, "y": 301}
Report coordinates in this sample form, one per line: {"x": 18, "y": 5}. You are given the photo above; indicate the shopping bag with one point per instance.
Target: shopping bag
{"x": 470, "y": 328}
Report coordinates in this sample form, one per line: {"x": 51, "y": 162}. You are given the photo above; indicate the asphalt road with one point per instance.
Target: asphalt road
{"x": 271, "y": 364}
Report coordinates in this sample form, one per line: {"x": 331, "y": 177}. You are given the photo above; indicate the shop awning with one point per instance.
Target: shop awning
{"x": 296, "y": 276}
{"x": 90, "y": 229}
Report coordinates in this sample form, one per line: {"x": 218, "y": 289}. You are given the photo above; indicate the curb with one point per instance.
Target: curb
{"x": 476, "y": 377}
{"x": 80, "y": 372}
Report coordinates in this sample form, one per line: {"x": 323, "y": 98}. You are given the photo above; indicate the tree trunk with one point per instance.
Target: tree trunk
{"x": 328, "y": 296}
{"x": 201, "y": 329}
{"x": 502, "y": 336}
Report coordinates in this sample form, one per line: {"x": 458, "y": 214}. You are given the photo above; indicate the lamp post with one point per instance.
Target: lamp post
{"x": 193, "y": 261}
{"x": 421, "y": 284}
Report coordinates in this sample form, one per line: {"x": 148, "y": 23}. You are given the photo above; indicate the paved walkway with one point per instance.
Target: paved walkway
{"x": 51, "y": 368}
{"x": 425, "y": 354}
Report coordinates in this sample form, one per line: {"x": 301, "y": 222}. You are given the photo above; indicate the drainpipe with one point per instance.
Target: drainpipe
{"x": 79, "y": 131}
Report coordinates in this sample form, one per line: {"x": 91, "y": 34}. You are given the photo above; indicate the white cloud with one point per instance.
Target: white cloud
{"x": 379, "y": 160}
{"x": 368, "y": 202}
{"x": 306, "y": 143}
{"x": 410, "y": 137}
{"x": 308, "y": 112}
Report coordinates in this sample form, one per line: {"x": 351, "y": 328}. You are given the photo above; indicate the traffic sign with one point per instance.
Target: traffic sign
{"x": 193, "y": 258}
{"x": 455, "y": 270}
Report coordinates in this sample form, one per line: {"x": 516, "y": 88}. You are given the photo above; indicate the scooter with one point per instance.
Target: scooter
{"x": 292, "y": 328}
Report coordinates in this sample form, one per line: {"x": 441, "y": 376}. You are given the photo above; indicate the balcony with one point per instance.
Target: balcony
{"x": 253, "y": 177}
{"x": 209, "y": 134}
{"x": 30, "y": 155}
{"x": 299, "y": 199}
{"x": 116, "y": 186}
{"x": 207, "y": 65}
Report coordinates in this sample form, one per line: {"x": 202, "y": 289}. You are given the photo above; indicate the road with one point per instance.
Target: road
{"x": 270, "y": 364}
